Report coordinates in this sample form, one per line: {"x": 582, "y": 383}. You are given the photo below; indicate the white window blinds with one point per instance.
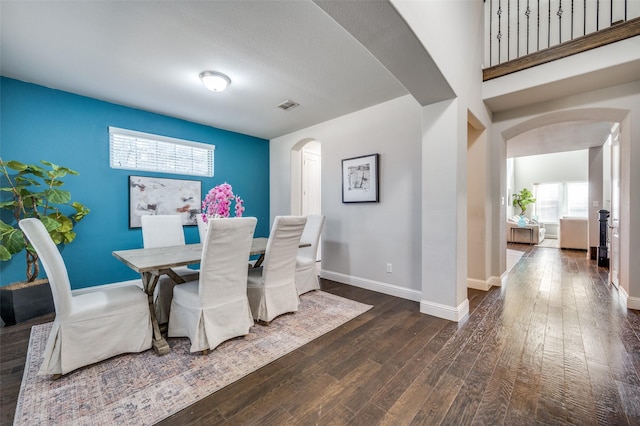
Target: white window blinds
{"x": 554, "y": 200}
{"x": 133, "y": 150}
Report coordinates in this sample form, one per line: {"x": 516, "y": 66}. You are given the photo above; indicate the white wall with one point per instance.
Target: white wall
{"x": 478, "y": 222}
{"x": 569, "y": 166}
{"x": 360, "y": 239}
{"x": 452, "y": 32}
{"x": 418, "y": 148}
{"x": 456, "y": 47}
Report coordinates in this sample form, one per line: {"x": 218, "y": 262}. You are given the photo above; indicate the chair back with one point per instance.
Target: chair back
{"x": 225, "y": 256}
{"x": 52, "y": 262}
{"x": 311, "y": 235}
{"x": 280, "y": 256}
{"x": 202, "y": 227}
{"x": 162, "y": 230}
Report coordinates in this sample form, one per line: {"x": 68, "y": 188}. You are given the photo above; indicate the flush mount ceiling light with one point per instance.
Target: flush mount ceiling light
{"x": 214, "y": 81}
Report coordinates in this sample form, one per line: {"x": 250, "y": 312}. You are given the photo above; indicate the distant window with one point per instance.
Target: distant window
{"x": 547, "y": 206}
{"x": 554, "y": 200}
{"x": 133, "y": 150}
{"x": 578, "y": 199}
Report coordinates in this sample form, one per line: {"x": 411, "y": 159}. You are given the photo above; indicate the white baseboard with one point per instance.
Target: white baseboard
{"x": 443, "y": 311}
{"x": 633, "y": 303}
{"x": 487, "y": 284}
{"x": 377, "y": 286}
{"x": 84, "y": 290}
{"x": 628, "y": 301}
{"x": 450, "y": 313}
{"x": 478, "y": 284}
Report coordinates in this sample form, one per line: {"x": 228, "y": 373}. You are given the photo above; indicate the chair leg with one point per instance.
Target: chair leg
{"x": 56, "y": 376}
{"x": 205, "y": 352}
{"x": 261, "y": 322}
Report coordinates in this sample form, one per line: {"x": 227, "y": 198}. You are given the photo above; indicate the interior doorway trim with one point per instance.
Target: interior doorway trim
{"x": 296, "y": 175}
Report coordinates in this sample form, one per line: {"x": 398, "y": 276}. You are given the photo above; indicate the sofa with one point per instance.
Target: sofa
{"x": 574, "y": 233}
{"x": 532, "y": 233}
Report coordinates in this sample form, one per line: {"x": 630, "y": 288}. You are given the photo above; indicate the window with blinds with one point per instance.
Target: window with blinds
{"x": 548, "y": 204}
{"x": 554, "y": 200}
{"x": 133, "y": 150}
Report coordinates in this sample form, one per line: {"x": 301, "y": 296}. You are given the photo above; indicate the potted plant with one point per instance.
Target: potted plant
{"x": 35, "y": 191}
{"x": 522, "y": 199}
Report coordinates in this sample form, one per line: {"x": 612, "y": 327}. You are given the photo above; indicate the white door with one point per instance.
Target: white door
{"x": 311, "y": 185}
{"x": 614, "y": 215}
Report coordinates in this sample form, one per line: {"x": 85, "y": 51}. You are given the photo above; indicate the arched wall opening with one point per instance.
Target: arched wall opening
{"x": 613, "y": 115}
{"x": 301, "y": 174}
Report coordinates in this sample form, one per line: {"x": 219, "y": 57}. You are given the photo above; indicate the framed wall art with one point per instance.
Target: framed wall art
{"x": 360, "y": 179}
{"x": 152, "y": 195}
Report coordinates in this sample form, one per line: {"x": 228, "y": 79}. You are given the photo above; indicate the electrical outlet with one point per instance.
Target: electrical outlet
{"x": 389, "y": 268}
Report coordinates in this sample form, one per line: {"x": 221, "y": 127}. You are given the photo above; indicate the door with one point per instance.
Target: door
{"x": 614, "y": 216}
{"x": 311, "y": 186}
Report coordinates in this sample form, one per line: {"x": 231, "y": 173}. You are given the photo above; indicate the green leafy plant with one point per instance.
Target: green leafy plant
{"x": 522, "y": 199}
{"x": 35, "y": 192}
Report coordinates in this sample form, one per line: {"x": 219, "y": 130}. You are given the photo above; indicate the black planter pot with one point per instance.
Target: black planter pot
{"x": 22, "y": 301}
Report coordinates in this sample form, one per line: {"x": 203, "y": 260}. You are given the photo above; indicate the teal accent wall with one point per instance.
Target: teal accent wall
{"x": 38, "y": 123}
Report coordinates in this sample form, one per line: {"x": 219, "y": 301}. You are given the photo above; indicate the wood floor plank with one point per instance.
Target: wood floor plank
{"x": 553, "y": 345}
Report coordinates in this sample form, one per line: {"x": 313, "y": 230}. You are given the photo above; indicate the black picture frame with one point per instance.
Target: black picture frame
{"x": 155, "y": 196}
{"x": 361, "y": 179}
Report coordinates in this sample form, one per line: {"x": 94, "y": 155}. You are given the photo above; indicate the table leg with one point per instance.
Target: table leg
{"x": 159, "y": 344}
{"x": 259, "y": 261}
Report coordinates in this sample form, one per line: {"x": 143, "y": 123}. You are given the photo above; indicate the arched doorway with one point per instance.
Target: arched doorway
{"x": 306, "y": 182}
{"x": 620, "y": 244}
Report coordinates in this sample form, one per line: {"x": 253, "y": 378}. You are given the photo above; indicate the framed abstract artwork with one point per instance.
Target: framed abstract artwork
{"x": 154, "y": 196}
{"x": 360, "y": 181}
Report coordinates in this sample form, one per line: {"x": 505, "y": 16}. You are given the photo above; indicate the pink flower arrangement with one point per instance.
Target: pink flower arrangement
{"x": 218, "y": 201}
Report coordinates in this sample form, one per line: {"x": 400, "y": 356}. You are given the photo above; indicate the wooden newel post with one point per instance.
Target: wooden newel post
{"x": 603, "y": 255}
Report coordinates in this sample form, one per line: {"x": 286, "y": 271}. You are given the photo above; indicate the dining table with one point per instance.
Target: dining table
{"x": 152, "y": 263}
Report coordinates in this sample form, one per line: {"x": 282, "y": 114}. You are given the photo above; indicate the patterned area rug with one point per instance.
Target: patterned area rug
{"x": 513, "y": 256}
{"x": 145, "y": 388}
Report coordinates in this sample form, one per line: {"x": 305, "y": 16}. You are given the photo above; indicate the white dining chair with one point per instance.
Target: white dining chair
{"x": 215, "y": 308}
{"x": 271, "y": 288}
{"x": 164, "y": 231}
{"x": 202, "y": 227}
{"x": 306, "y": 274}
{"x": 88, "y": 327}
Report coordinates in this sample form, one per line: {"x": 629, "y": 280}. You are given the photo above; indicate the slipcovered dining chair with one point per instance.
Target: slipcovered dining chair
{"x": 271, "y": 288}
{"x": 202, "y": 227}
{"x": 89, "y": 327}
{"x": 215, "y": 308}
{"x": 306, "y": 275}
{"x": 164, "y": 231}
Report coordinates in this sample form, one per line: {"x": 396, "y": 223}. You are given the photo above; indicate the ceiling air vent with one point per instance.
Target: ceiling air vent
{"x": 287, "y": 105}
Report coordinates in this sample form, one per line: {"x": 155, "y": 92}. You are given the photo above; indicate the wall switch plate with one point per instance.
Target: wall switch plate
{"x": 389, "y": 268}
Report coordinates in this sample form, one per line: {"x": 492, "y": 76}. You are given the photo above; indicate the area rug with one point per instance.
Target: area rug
{"x": 550, "y": 243}
{"x": 513, "y": 256}
{"x": 144, "y": 388}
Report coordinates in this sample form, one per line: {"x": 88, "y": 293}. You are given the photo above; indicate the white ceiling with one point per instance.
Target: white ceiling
{"x": 560, "y": 137}
{"x": 148, "y": 54}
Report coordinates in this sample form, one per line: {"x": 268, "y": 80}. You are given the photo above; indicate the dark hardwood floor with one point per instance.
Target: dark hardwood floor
{"x": 552, "y": 346}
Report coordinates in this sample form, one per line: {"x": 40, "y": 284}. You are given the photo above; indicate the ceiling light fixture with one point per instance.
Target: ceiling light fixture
{"x": 214, "y": 81}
